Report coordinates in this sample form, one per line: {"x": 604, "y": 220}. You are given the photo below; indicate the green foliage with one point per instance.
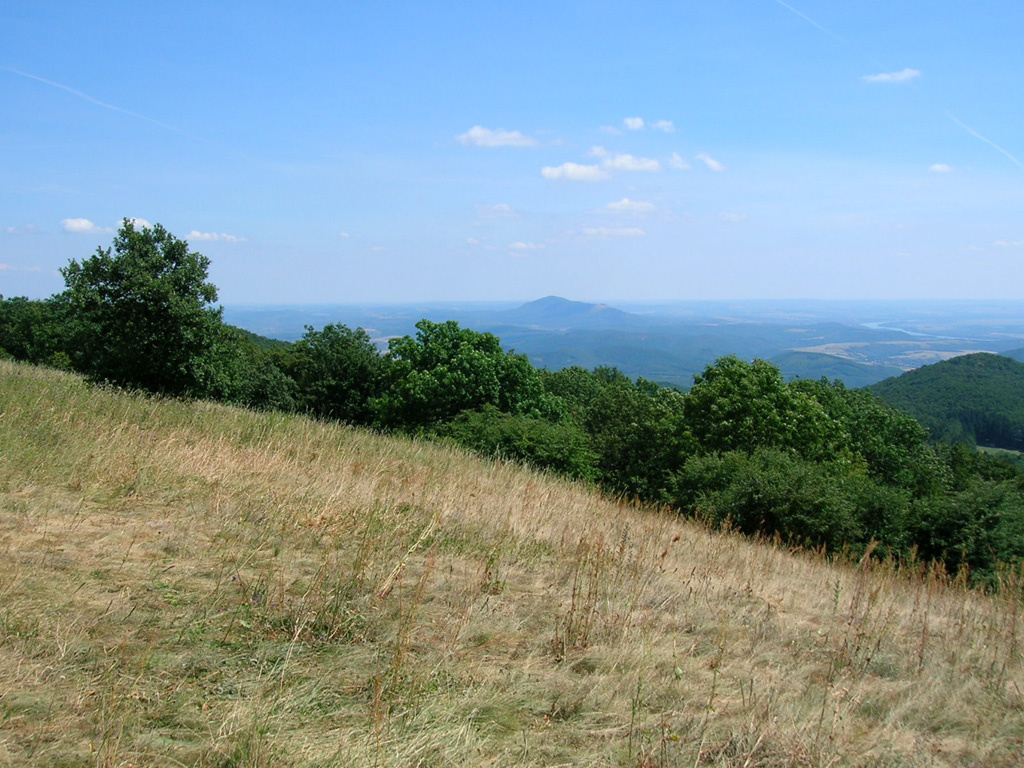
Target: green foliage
{"x": 559, "y": 448}
{"x": 978, "y": 526}
{"x": 33, "y": 331}
{"x": 636, "y": 431}
{"x": 975, "y": 398}
{"x": 446, "y": 369}
{"x": 892, "y": 445}
{"x": 140, "y": 314}
{"x": 251, "y": 375}
{"x": 734, "y": 405}
{"x": 338, "y": 372}
{"x": 770, "y": 491}
{"x": 577, "y": 387}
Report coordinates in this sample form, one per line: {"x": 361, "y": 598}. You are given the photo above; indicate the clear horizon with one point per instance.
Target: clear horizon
{"x": 405, "y": 152}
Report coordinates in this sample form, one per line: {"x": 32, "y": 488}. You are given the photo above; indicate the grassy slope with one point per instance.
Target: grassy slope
{"x": 187, "y": 584}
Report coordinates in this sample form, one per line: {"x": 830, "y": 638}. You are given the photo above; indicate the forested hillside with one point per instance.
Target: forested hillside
{"x": 978, "y": 399}
{"x": 811, "y": 462}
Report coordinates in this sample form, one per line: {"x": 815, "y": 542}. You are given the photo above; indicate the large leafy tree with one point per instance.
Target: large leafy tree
{"x": 141, "y": 313}
{"x": 735, "y": 405}
{"x": 338, "y": 371}
{"x": 446, "y": 369}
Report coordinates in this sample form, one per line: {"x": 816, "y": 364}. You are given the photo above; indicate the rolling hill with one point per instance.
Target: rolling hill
{"x": 978, "y": 398}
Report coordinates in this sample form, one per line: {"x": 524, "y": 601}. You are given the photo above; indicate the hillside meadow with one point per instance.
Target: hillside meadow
{"x": 189, "y": 584}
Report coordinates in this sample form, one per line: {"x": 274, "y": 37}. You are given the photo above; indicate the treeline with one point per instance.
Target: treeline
{"x": 810, "y": 461}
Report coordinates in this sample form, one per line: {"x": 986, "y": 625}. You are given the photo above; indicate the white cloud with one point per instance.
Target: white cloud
{"x": 610, "y": 129}
{"x": 625, "y": 205}
{"x": 1009, "y": 243}
{"x": 478, "y": 136}
{"x": 378, "y": 249}
{"x": 634, "y": 123}
{"x": 12, "y": 268}
{"x": 733, "y": 218}
{"x": 664, "y": 125}
{"x": 29, "y": 229}
{"x": 710, "y": 162}
{"x": 344, "y": 235}
{"x": 521, "y": 246}
{"x": 574, "y": 172}
{"x": 83, "y": 226}
{"x": 677, "y": 163}
{"x": 140, "y": 223}
{"x": 613, "y": 232}
{"x": 893, "y": 77}
{"x": 630, "y": 163}
{"x": 598, "y": 152}
{"x": 499, "y": 211}
{"x": 217, "y": 237}
{"x": 940, "y": 168}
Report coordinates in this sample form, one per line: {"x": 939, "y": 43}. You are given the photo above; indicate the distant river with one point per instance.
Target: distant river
{"x": 882, "y": 326}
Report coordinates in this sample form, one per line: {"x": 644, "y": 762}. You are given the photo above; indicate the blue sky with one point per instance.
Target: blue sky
{"x": 412, "y": 151}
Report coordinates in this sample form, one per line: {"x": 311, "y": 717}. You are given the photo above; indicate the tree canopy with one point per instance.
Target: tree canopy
{"x": 446, "y": 369}
{"x": 141, "y": 313}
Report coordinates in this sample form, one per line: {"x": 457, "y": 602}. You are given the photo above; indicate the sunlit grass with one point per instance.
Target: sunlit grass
{"x": 189, "y": 584}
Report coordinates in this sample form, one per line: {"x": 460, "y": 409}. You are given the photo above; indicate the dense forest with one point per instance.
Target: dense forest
{"x": 811, "y": 462}
{"x": 977, "y": 399}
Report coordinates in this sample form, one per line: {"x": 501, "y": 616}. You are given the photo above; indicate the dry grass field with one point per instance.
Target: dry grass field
{"x": 185, "y": 584}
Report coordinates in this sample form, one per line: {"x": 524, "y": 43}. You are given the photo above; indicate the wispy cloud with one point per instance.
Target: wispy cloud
{"x": 478, "y": 136}
{"x": 12, "y": 268}
{"x": 83, "y": 227}
{"x": 217, "y": 237}
{"x": 495, "y": 212}
{"x": 710, "y": 162}
{"x": 809, "y": 20}
{"x": 625, "y": 205}
{"x": 94, "y": 100}
{"x": 940, "y": 168}
{"x": 613, "y": 232}
{"x": 988, "y": 141}
{"x": 677, "y": 163}
{"x": 29, "y": 229}
{"x": 634, "y": 123}
{"x": 574, "y": 172}
{"x": 1009, "y": 243}
{"x": 614, "y": 162}
{"x": 664, "y": 125}
{"x": 630, "y": 163}
{"x": 521, "y": 246}
{"x": 732, "y": 218}
{"x": 893, "y": 77}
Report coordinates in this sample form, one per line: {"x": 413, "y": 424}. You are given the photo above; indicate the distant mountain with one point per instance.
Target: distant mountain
{"x": 1016, "y": 354}
{"x": 669, "y": 344}
{"x": 976, "y": 398}
{"x": 556, "y": 313}
{"x": 812, "y": 365}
